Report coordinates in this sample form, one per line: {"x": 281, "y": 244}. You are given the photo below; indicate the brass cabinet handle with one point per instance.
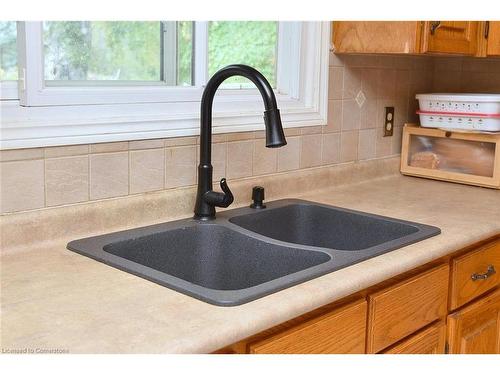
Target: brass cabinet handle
{"x": 483, "y": 276}
{"x": 434, "y": 26}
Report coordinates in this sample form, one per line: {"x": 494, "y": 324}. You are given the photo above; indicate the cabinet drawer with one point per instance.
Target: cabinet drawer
{"x": 404, "y": 308}
{"x": 340, "y": 331}
{"x": 474, "y": 274}
{"x": 429, "y": 341}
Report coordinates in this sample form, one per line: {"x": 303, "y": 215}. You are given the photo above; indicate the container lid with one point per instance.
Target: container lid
{"x": 464, "y": 97}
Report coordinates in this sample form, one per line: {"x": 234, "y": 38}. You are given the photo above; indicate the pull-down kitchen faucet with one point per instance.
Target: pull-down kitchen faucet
{"x": 206, "y": 198}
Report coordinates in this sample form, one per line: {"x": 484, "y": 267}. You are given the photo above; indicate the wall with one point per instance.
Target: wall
{"x": 54, "y": 176}
{"x": 466, "y": 74}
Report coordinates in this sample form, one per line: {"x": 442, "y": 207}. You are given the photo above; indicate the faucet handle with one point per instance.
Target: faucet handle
{"x": 228, "y": 195}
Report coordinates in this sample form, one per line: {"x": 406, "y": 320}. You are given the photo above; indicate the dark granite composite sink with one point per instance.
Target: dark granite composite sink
{"x": 245, "y": 254}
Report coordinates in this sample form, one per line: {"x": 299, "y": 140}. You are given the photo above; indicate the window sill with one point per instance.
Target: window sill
{"x": 28, "y": 127}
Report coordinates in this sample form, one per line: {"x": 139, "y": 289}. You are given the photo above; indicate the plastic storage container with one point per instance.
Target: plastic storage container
{"x": 460, "y": 111}
{"x": 469, "y": 158}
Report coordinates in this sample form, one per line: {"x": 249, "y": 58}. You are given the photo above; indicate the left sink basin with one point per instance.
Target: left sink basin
{"x": 209, "y": 261}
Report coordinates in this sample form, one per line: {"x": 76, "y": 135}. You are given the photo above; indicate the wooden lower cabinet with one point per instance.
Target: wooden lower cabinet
{"x": 475, "y": 329}
{"x": 431, "y": 340}
{"x": 340, "y": 331}
{"x": 412, "y": 313}
{"x": 399, "y": 310}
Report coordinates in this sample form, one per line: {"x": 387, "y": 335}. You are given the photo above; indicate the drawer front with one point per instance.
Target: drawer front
{"x": 340, "y": 331}
{"x": 404, "y": 308}
{"x": 474, "y": 274}
{"x": 429, "y": 341}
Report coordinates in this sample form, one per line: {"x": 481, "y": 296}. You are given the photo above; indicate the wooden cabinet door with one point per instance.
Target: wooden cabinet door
{"x": 429, "y": 341}
{"x": 493, "y": 37}
{"x": 476, "y": 329}
{"x": 404, "y": 308}
{"x": 341, "y": 331}
{"x": 376, "y": 36}
{"x": 454, "y": 37}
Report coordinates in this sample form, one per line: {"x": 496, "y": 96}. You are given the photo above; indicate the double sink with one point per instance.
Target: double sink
{"x": 245, "y": 254}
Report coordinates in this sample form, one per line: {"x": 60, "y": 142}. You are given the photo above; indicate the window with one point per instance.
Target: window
{"x": 8, "y": 60}
{"x": 96, "y": 81}
{"x": 93, "y": 52}
{"x": 254, "y": 43}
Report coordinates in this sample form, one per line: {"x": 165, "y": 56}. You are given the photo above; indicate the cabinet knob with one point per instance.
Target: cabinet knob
{"x": 434, "y": 26}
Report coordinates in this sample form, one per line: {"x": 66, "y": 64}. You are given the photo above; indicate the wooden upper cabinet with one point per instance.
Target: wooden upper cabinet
{"x": 416, "y": 37}
{"x": 376, "y": 36}
{"x": 454, "y": 37}
{"x": 476, "y": 329}
{"x": 492, "y": 33}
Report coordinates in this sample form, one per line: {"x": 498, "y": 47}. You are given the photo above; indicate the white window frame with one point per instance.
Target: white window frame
{"x": 8, "y": 90}
{"x": 55, "y": 115}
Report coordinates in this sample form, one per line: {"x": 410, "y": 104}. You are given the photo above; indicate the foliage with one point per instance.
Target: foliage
{"x": 97, "y": 50}
{"x": 243, "y": 42}
{"x": 8, "y": 53}
{"x": 130, "y": 51}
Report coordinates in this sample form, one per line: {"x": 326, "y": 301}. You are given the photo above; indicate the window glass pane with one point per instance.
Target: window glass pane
{"x": 243, "y": 42}
{"x": 185, "y": 53}
{"x": 115, "y": 51}
{"x": 8, "y": 51}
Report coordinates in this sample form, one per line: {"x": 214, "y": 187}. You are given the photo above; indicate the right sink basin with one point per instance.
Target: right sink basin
{"x": 308, "y": 224}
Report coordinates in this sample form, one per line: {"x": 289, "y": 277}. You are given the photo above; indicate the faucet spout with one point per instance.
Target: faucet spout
{"x": 205, "y": 202}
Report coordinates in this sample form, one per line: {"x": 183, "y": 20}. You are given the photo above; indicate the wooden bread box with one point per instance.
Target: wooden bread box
{"x": 456, "y": 156}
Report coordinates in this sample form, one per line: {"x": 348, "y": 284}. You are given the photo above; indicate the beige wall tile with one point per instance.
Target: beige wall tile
{"x": 401, "y": 111}
{"x": 336, "y": 82}
{"x": 402, "y": 83}
{"x": 217, "y": 138}
{"x": 21, "y": 154}
{"x": 386, "y": 85}
{"x": 146, "y": 144}
{"x": 368, "y": 114}
{"x": 147, "y": 170}
{"x": 73, "y": 150}
{"x": 181, "y": 141}
{"x": 265, "y": 160}
{"x": 350, "y": 115}
{"x": 67, "y": 180}
{"x": 310, "y": 151}
{"x": 396, "y": 140}
{"x": 219, "y": 158}
{"x": 334, "y": 122}
{"x": 180, "y": 166}
{"x": 241, "y": 136}
{"x": 383, "y": 144}
{"x": 260, "y": 134}
{"x": 330, "y": 150}
{"x": 352, "y": 82}
{"x": 290, "y": 132}
{"x": 369, "y": 81}
{"x": 335, "y": 60}
{"x": 348, "y": 146}
{"x": 239, "y": 159}
{"x": 109, "y": 175}
{"x": 307, "y": 130}
{"x": 21, "y": 185}
{"x": 108, "y": 147}
{"x": 367, "y": 144}
{"x": 289, "y": 156}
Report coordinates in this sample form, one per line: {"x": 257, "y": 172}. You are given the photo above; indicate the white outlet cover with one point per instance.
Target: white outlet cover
{"x": 360, "y": 98}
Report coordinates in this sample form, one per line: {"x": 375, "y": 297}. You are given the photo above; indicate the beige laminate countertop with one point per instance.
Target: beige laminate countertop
{"x": 56, "y": 299}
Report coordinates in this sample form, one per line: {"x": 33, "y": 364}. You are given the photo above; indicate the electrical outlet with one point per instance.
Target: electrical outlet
{"x": 389, "y": 121}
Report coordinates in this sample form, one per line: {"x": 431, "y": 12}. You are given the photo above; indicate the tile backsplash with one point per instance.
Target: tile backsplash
{"x": 53, "y": 176}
